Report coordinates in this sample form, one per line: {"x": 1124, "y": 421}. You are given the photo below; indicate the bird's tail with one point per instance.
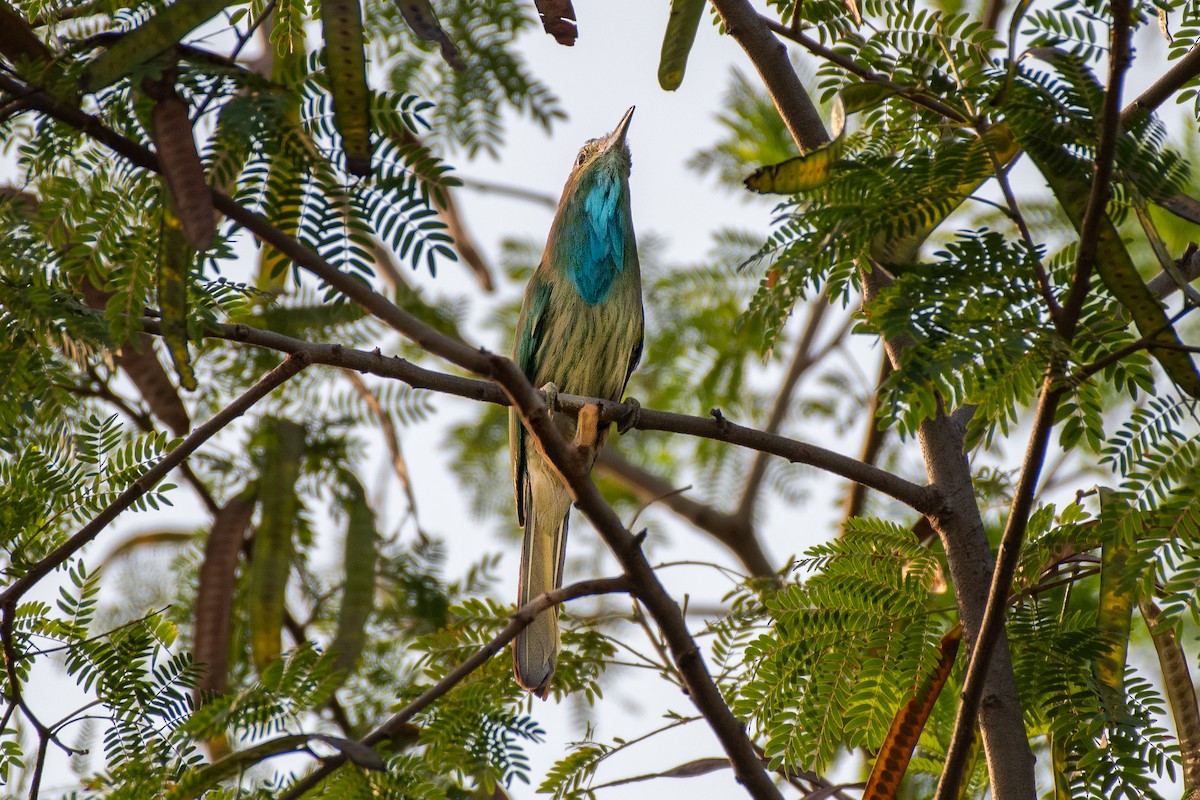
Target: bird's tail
{"x": 536, "y": 648}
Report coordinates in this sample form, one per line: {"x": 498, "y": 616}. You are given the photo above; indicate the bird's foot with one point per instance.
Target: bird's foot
{"x": 550, "y": 390}
{"x": 632, "y": 416}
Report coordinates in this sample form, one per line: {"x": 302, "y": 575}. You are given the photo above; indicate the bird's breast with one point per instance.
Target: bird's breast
{"x": 596, "y": 234}
{"x": 587, "y": 348}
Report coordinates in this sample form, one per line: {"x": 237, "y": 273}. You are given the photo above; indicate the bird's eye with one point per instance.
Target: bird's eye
{"x": 582, "y": 157}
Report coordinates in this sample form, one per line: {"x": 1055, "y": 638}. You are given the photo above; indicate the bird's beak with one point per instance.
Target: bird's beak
{"x": 617, "y": 137}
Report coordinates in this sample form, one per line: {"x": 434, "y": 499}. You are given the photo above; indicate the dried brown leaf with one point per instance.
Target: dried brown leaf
{"x": 558, "y": 19}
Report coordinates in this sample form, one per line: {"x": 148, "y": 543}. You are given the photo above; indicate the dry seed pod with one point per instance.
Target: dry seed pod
{"x": 180, "y": 163}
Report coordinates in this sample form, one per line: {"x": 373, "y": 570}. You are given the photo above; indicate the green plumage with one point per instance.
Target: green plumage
{"x": 581, "y": 329}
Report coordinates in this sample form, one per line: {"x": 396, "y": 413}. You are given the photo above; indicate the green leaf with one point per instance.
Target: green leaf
{"x": 862, "y": 96}
{"x": 798, "y": 174}
{"x": 682, "y": 25}
{"x": 806, "y": 171}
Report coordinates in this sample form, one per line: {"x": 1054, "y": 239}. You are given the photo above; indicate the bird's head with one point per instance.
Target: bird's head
{"x": 608, "y": 155}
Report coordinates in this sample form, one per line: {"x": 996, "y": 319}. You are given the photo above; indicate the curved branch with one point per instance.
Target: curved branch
{"x": 727, "y": 529}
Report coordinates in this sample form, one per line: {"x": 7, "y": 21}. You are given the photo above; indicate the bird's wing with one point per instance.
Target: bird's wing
{"x": 530, "y": 329}
{"x": 636, "y": 356}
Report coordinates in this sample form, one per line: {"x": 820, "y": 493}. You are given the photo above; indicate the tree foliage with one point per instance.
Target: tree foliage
{"x": 179, "y": 216}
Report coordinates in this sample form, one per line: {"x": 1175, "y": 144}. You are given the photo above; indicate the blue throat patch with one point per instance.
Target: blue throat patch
{"x": 600, "y": 253}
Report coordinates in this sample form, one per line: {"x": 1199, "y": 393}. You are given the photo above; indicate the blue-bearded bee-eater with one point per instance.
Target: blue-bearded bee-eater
{"x": 580, "y": 329}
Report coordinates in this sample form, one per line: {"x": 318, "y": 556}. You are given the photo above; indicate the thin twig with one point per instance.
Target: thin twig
{"x": 658, "y": 499}
{"x": 518, "y": 192}
{"x": 1014, "y": 213}
{"x": 722, "y": 526}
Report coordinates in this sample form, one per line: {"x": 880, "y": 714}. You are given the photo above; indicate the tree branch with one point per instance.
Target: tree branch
{"x": 276, "y": 377}
{"x": 920, "y": 498}
{"x": 727, "y": 529}
{"x": 516, "y": 623}
{"x": 1171, "y": 81}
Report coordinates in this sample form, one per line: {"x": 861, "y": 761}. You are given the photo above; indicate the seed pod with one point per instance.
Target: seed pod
{"x": 180, "y": 162}
{"x": 214, "y": 598}
{"x": 346, "y": 63}
{"x": 148, "y": 40}
{"x": 677, "y": 41}
{"x": 358, "y": 592}
{"x": 271, "y": 559}
{"x": 174, "y": 267}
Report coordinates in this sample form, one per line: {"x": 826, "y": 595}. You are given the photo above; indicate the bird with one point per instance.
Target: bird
{"x": 580, "y": 332}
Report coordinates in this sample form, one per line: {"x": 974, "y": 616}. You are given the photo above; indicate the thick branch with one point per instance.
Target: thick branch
{"x": 516, "y": 623}
{"x": 771, "y": 60}
{"x": 150, "y": 479}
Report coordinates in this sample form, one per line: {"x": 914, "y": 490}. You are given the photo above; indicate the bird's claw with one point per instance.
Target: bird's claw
{"x": 632, "y": 416}
{"x": 550, "y": 390}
